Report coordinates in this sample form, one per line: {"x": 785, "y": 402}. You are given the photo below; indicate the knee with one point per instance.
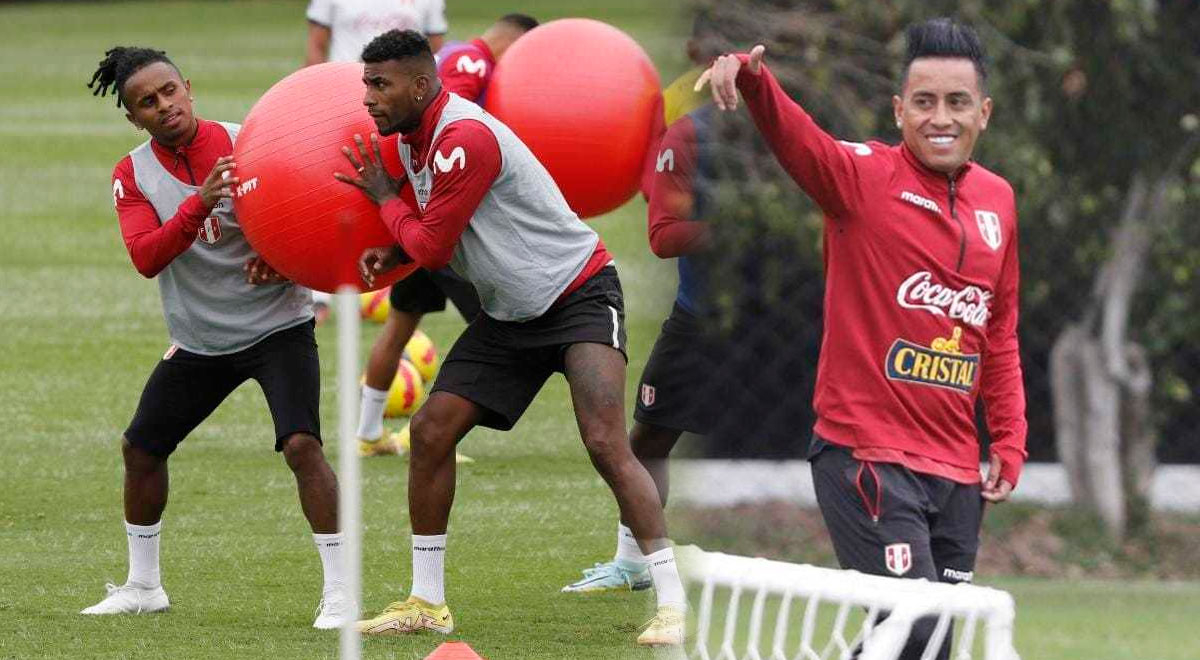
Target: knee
{"x": 139, "y": 460}
{"x": 651, "y": 443}
{"x": 430, "y": 434}
{"x": 608, "y": 451}
{"x": 301, "y": 451}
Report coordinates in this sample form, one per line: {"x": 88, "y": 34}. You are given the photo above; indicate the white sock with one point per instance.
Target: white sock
{"x": 370, "y": 414}
{"x": 143, "y": 555}
{"x": 667, "y": 585}
{"x": 329, "y": 546}
{"x": 429, "y": 568}
{"x": 629, "y": 556}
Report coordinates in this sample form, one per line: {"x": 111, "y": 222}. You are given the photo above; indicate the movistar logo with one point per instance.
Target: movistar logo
{"x": 666, "y": 161}
{"x": 467, "y": 65}
{"x": 458, "y": 156}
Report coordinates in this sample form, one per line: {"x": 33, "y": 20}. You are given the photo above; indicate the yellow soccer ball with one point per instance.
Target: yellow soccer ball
{"x": 422, "y": 353}
{"x": 404, "y": 441}
{"x": 374, "y": 305}
{"x": 407, "y": 392}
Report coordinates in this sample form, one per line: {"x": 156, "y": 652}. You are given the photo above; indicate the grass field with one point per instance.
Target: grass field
{"x": 81, "y": 331}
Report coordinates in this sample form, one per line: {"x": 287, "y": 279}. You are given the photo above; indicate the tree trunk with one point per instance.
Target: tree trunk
{"x": 1101, "y": 381}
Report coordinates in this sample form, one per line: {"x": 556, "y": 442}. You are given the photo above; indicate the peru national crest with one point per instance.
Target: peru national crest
{"x": 647, "y": 395}
{"x": 210, "y": 231}
{"x": 989, "y": 228}
{"x": 898, "y": 558}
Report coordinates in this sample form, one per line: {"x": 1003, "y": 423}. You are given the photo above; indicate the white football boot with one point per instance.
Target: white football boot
{"x": 334, "y": 610}
{"x": 130, "y": 599}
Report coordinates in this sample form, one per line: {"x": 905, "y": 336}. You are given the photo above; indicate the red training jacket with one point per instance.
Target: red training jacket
{"x": 920, "y": 294}
{"x": 467, "y": 69}
{"x": 673, "y": 230}
{"x": 151, "y": 242}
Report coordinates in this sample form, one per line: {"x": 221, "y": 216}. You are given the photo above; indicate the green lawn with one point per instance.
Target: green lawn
{"x": 81, "y": 331}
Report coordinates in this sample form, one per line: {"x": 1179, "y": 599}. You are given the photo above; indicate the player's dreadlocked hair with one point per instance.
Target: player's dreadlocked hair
{"x": 118, "y": 64}
{"x": 945, "y": 37}
{"x": 397, "y": 45}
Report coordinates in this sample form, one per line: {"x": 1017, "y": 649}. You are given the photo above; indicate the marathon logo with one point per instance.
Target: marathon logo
{"x": 941, "y": 364}
{"x": 923, "y": 202}
{"x": 958, "y": 576}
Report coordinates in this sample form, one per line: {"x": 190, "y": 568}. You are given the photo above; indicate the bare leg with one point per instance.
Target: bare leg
{"x": 436, "y": 429}
{"x": 146, "y": 485}
{"x": 315, "y": 480}
{"x": 596, "y": 374}
{"x": 388, "y": 347}
{"x": 652, "y": 446}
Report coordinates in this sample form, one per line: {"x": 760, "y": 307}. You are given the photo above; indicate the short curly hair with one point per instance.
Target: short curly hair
{"x": 397, "y": 45}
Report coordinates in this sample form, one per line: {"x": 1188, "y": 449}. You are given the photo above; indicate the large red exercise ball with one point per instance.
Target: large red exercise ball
{"x": 306, "y": 224}
{"x": 583, "y": 96}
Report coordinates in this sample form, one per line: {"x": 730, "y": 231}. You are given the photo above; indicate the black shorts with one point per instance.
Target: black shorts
{"x": 423, "y": 292}
{"x": 885, "y": 519}
{"x": 185, "y": 388}
{"x": 501, "y": 365}
{"x": 684, "y": 386}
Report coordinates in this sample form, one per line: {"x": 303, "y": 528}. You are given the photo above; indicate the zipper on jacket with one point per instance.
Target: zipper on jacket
{"x": 962, "y": 230}
{"x": 180, "y": 156}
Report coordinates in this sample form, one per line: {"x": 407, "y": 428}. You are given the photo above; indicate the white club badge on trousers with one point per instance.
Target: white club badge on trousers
{"x": 648, "y": 393}
{"x": 898, "y": 558}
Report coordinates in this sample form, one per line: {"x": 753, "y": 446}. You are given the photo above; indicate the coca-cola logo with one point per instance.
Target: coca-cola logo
{"x": 969, "y": 304}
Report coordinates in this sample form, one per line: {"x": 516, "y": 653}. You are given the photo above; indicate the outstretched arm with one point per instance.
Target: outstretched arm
{"x": 832, "y": 172}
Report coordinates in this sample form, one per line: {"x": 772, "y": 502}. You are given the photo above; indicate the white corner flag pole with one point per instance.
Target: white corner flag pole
{"x": 349, "y": 482}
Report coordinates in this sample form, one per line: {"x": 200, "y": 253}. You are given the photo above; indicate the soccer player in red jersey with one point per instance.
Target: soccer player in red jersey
{"x": 474, "y": 197}
{"x": 920, "y": 312}
{"x": 230, "y": 316}
{"x": 465, "y": 68}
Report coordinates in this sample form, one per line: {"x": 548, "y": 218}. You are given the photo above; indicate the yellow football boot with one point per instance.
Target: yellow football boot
{"x": 410, "y": 616}
{"x": 665, "y": 629}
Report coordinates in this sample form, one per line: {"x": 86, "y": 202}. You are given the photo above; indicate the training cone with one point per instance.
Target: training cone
{"x": 454, "y": 651}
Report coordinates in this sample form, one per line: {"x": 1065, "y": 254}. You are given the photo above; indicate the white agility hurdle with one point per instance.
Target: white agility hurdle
{"x": 847, "y": 594}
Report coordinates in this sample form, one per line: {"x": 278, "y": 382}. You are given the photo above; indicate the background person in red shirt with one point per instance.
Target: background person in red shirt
{"x": 465, "y": 69}
{"x": 920, "y": 312}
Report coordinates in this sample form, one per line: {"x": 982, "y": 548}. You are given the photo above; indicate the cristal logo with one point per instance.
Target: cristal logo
{"x": 969, "y": 304}
{"x": 666, "y": 161}
{"x": 467, "y": 65}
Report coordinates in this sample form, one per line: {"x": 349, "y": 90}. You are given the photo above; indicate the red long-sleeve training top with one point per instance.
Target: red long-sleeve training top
{"x": 152, "y": 243}
{"x": 920, "y": 296}
{"x": 673, "y": 229}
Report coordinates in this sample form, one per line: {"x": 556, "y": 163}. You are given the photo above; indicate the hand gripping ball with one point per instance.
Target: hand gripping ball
{"x": 307, "y": 225}
{"x": 583, "y": 96}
